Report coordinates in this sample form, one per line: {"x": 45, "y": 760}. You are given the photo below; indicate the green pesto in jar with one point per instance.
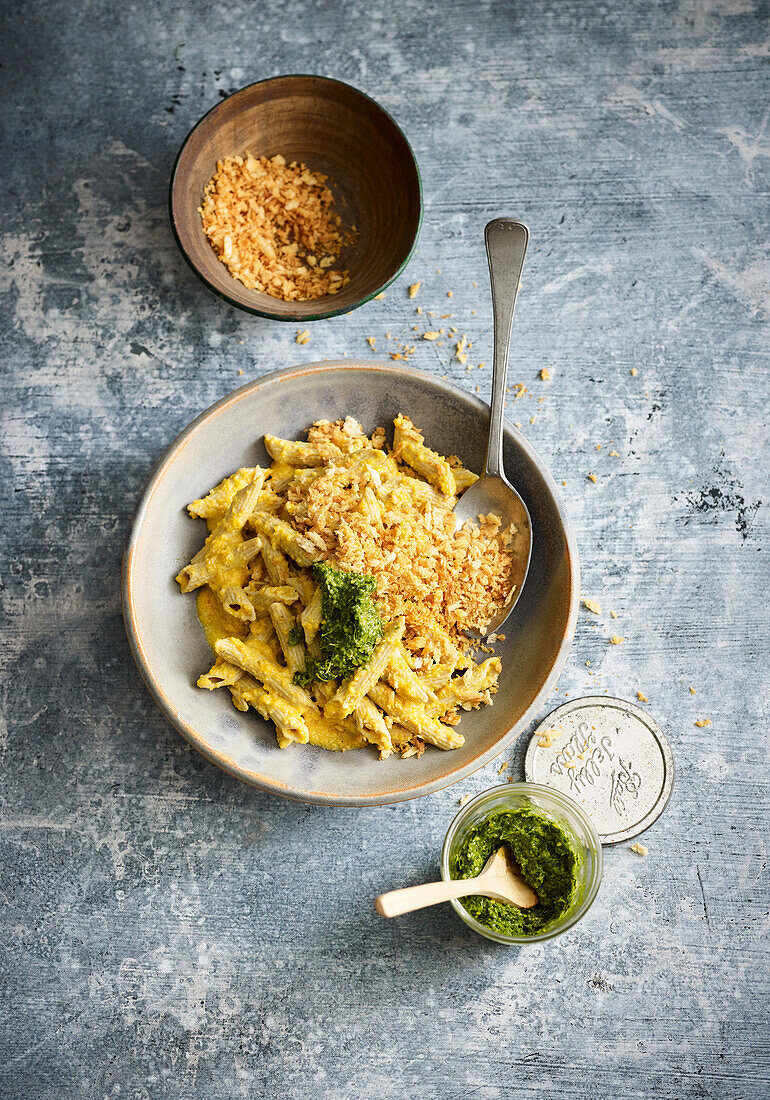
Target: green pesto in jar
{"x": 546, "y": 856}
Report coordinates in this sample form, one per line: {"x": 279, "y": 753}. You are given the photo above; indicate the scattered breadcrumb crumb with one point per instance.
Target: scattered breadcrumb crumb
{"x": 634, "y": 372}
{"x": 639, "y": 849}
{"x": 502, "y": 767}
{"x": 548, "y": 738}
{"x": 370, "y": 341}
{"x": 693, "y": 691}
{"x": 592, "y": 605}
{"x": 614, "y": 454}
{"x": 450, "y": 294}
{"x": 614, "y": 614}
{"x": 418, "y": 310}
{"x": 438, "y": 270}
{"x": 465, "y": 798}
{"x": 481, "y": 367}
{"x": 379, "y": 297}
{"x": 431, "y": 335}
{"x": 303, "y": 336}
{"x": 616, "y": 639}
{"x": 598, "y": 446}
{"x": 241, "y": 372}
{"x": 545, "y": 374}
{"x": 532, "y": 420}
{"x": 414, "y": 289}
{"x": 592, "y": 477}
{"x": 642, "y": 697}
{"x": 703, "y": 722}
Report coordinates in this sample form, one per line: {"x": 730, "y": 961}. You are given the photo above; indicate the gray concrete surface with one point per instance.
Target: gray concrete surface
{"x": 155, "y": 941}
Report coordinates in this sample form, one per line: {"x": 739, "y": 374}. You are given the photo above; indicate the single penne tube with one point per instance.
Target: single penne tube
{"x": 221, "y": 674}
{"x": 275, "y": 563}
{"x": 409, "y": 446}
{"x": 470, "y": 687}
{"x": 285, "y": 538}
{"x": 218, "y": 500}
{"x": 288, "y": 720}
{"x": 245, "y": 501}
{"x": 371, "y": 724}
{"x": 413, "y": 717}
{"x": 265, "y": 596}
{"x": 301, "y": 454}
{"x": 352, "y": 691}
{"x": 194, "y": 575}
{"x": 312, "y": 615}
{"x": 246, "y": 551}
{"x": 463, "y": 478}
{"x": 400, "y": 676}
{"x": 435, "y": 676}
{"x": 262, "y": 629}
{"x": 252, "y": 657}
{"x": 237, "y": 603}
{"x": 283, "y": 623}
{"x": 423, "y": 491}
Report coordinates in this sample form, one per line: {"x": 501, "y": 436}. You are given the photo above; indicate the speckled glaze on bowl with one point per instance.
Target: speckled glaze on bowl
{"x": 167, "y": 640}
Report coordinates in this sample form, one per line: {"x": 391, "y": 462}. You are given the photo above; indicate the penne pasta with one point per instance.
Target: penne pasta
{"x": 304, "y": 562}
{"x": 352, "y": 691}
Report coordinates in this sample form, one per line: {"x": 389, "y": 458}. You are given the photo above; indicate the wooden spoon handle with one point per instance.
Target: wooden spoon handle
{"x": 396, "y": 902}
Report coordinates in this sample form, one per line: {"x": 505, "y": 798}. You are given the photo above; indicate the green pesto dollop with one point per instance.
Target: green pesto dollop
{"x": 546, "y": 856}
{"x": 350, "y": 625}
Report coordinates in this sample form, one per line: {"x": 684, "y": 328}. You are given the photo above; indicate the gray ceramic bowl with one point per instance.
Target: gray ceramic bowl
{"x": 167, "y": 640}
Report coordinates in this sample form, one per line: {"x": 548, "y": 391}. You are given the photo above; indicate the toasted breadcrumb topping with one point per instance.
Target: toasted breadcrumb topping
{"x": 274, "y": 227}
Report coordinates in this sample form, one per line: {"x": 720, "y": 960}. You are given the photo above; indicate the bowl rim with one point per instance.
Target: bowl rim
{"x": 319, "y": 315}
{"x": 525, "y": 787}
{"x": 227, "y": 763}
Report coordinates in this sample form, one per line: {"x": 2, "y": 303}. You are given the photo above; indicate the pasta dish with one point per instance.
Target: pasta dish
{"x": 336, "y": 592}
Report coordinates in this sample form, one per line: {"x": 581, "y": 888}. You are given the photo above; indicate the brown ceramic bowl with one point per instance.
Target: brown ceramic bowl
{"x": 334, "y": 129}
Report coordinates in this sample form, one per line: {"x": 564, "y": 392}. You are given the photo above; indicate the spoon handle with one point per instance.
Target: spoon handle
{"x": 396, "y": 902}
{"x": 507, "y": 242}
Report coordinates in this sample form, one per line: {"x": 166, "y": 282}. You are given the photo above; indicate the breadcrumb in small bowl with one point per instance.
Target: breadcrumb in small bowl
{"x": 296, "y": 198}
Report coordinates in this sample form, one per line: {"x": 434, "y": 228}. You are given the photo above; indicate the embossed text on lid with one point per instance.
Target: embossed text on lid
{"x": 610, "y": 757}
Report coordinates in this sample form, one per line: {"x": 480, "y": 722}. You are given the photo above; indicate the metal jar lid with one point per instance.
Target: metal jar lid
{"x": 609, "y": 757}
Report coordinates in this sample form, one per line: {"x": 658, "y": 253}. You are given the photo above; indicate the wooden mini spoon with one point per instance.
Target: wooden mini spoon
{"x": 500, "y": 880}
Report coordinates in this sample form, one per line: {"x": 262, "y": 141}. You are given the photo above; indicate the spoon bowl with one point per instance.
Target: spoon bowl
{"x": 497, "y": 495}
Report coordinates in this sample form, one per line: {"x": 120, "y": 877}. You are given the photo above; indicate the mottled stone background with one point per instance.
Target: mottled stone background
{"x": 168, "y": 932}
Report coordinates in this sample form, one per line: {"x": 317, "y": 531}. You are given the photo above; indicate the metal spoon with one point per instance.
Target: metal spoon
{"x": 500, "y": 879}
{"x": 506, "y": 241}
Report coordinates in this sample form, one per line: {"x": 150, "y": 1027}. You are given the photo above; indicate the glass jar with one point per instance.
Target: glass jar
{"x": 513, "y": 796}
